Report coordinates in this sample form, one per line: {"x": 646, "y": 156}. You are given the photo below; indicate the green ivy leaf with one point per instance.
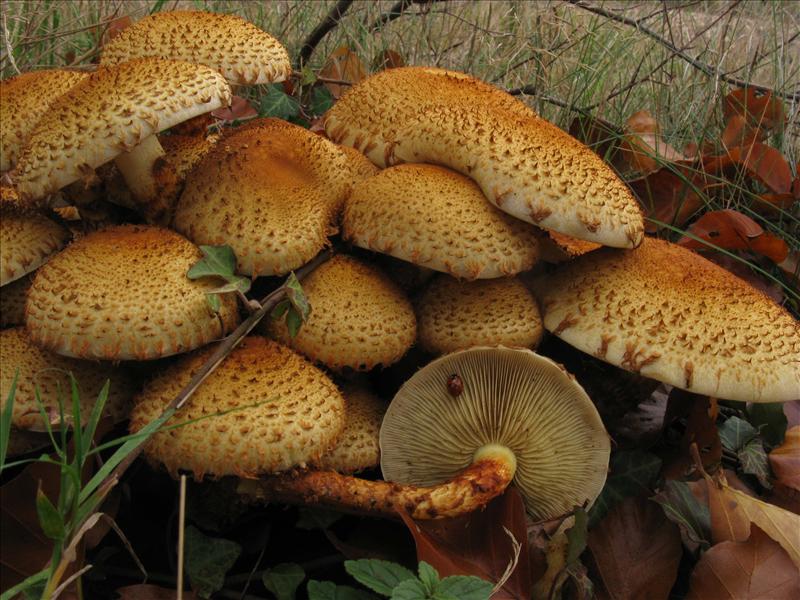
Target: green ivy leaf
{"x": 295, "y": 295}
{"x": 381, "y": 576}
{"x": 464, "y": 588}
{"x": 283, "y": 580}
{"x": 429, "y": 577}
{"x": 321, "y": 100}
{"x": 276, "y": 103}
{"x": 576, "y": 536}
{"x": 327, "y": 590}
{"x": 631, "y": 472}
{"x": 217, "y": 261}
{"x": 410, "y": 589}
{"x": 213, "y": 302}
{"x": 307, "y": 76}
{"x": 293, "y": 322}
{"x": 770, "y": 420}
{"x": 237, "y": 284}
{"x": 690, "y": 515}
{"x": 208, "y": 560}
{"x": 279, "y": 310}
{"x": 49, "y": 518}
{"x": 754, "y": 461}
{"x": 735, "y": 433}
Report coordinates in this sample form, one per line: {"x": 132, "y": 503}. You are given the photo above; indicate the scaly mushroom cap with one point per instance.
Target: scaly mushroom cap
{"x": 27, "y": 240}
{"x": 358, "y": 447}
{"x": 111, "y": 112}
{"x": 359, "y": 317}
{"x": 454, "y": 315}
{"x": 361, "y": 166}
{"x": 269, "y": 190}
{"x": 671, "y": 315}
{"x": 526, "y": 166}
{"x": 436, "y": 218}
{"x": 511, "y": 398}
{"x": 557, "y": 247}
{"x": 122, "y": 294}
{"x": 242, "y": 52}
{"x": 284, "y": 413}
{"x": 183, "y": 152}
{"x": 12, "y": 301}
{"x": 49, "y": 373}
{"x": 26, "y": 98}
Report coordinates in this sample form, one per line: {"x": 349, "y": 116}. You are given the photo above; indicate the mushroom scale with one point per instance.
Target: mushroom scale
{"x": 122, "y": 294}
{"x": 27, "y": 239}
{"x": 436, "y": 218}
{"x": 670, "y": 314}
{"x": 358, "y": 447}
{"x": 280, "y": 412}
{"x": 525, "y": 165}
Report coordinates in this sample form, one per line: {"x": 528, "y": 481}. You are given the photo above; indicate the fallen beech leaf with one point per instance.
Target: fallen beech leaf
{"x": 344, "y": 65}
{"x": 114, "y": 28}
{"x": 763, "y": 162}
{"x": 387, "y": 59}
{"x": 643, "y": 149}
{"x": 731, "y": 230}
{"x": 239, "y": 110}
{"x": 761, "y": 109}
{"x": 477, "y": 544}
{"x": 791, "y": 410}
{"x": 754, "y": 569}
{"x": 791, "y": 266}
{"x": 738, "y": 132}
{"x": 701, "y": 429}
{"x": 785, "y": 459}
{"x": 540, "y": 533}
{"x": 636, "y": 550}
{"x": 690, "y": 513}
{"x": 145, "y": 591}
{"x": 670, "y": 194}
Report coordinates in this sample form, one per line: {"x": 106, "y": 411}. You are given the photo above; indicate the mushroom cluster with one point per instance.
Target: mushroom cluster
{"x": 438, "y": 192}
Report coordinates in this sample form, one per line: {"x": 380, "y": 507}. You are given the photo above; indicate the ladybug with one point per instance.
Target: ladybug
{"x": 454, "y": 385}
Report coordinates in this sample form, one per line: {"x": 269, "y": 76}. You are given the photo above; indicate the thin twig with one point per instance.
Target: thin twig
{"x": 9, "y": 49}
{"x": 320, "y": 31}
{"x": 530, "y": 90}
{"x": 701, "y": 66}
{"x": 397, "y": 10}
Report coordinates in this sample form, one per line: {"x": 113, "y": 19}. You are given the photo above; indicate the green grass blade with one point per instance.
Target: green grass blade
{"x": 94, "y": 417}
{"x": 25, "y": 584}
{"x": 5, "y": 421}
{"x": 78, "y": 441}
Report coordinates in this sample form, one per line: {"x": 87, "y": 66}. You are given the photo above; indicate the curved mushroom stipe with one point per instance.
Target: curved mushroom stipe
{"x": 470, "y": 490}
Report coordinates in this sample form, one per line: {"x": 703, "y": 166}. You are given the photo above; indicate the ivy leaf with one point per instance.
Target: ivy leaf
{"x": 295, "y": 295}
{"x": 577, "y": 536}
{"x": 631, "y": 473}
{"x": 307, "y": 76}
{"x": 213, "y": 302}
{"x": 49, "y": 518}
{"x": 279, "y": 310}
{"x": 321, "y": 100}
{"x": 208, "y": 561}
{"x": 464, "y": 588}
{"x": 690, "y": 515}
{"x": 735, "y": 433}
{"x": 429, "y": 577}
{"x": 217, "y": 261}
{"x": 283, "y": 580}
{"x": 327, "y": 590}
{"x": 238, "y": 284}
{"x": 381, "y": 576}
{"x": 293, "y": 322}
{"x": 276, "y": 103}
{"x": 770, "y": 420}
{"x": 753, "y": 459}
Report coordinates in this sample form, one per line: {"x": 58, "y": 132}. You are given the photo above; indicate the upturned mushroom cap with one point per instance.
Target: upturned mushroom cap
{"x": 283, "y": 413}
{"x": 111, "y": 112}
{"x": 269, "y": 190}
{"x": 510, "y": 398}
{"x": 359, "y": 317}
{"x": 122, "y": 294}
{"x": 454, "y": 315}
{"x": 671, "y": 315}
{"x": 358, "y": 447}
{"x": 26, "y": 98}
{"x": 526, "y": 166}
{"x": 242, "y": 52}
{"x": 49, "y": 373}
{"x": 27, "y": 240}
{"x": 12, "y": 301}
{"x": 436, "y": 218}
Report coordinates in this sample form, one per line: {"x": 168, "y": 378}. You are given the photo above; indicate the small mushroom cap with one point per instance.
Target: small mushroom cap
{"x": 122, "y": 294}
{"x": 669, "y": 314}
{"x": 183, "y": 152}
{"x": 358, "y": 447}
{"x": 269, "y": 190}
{"x": 49, "y": 373}
{"x": 26, "y": 98}
{"x": 111, "y": 112}
{"x": 557, "y": 247}
{"x": 27, "y": 240}
{"x": 526, "y": 166}
{"x": 436, "y": 218}
{"x": 359, "y": 317}
{"x": 454, "y": 315}
{"x": 12, "y": 301}
{"x": 510, "y": 397}
{"x": 242, "y": 52}
{"x": 280, "y": 411}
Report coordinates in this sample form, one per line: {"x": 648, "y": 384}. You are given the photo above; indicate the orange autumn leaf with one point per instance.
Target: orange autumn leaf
{"x": 114, "y": 28}
{"x": 239, "y": 110}
{"x": 343, "y": 65}
{"x": 387, "y": 59}
{"x": 643, "y": 148}
{"x": 761, "y": 109}
{"x": 670, "y": 194}
{"x": 732, "y": 230}
{"x": 785, "y": 459}
{"x": 764, "y": 163}
{"x": 739, "y": 132}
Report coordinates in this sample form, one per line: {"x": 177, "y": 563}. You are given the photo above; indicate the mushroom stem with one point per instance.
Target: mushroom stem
{"x": 472, "y": 489}
{"x": 149, "y": 182}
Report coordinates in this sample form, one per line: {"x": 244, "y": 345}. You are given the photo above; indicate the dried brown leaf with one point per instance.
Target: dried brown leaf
{"x": 785, "y": 459}
{"x": 760, "y": 109}
{"x": 343, "y": 65}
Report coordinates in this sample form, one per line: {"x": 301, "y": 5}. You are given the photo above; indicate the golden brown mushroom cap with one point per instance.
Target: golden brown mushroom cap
{"x": 111, "y": 112}
{"x": 454, "y": 315}
{"x": 359, "y": 317}
{"x": 26, "y": 98}
{"x": 12, "y": 301}
{"x": 48, "y": 372}
{"x": 671, "y": 315}
{"x": 511, "y": 398}
{"x": 358, "y": 447}
{"x": 526, "y": 166}
{"x": 27, "y": 240}
{"x": 269, "y": 190}
{"x": 242, "y": 52}
{"x": 122, "y": 294}
{"x": 183, "y": 152}
{"x": 434, "y": 217}
{"x": 283, "y": 413}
